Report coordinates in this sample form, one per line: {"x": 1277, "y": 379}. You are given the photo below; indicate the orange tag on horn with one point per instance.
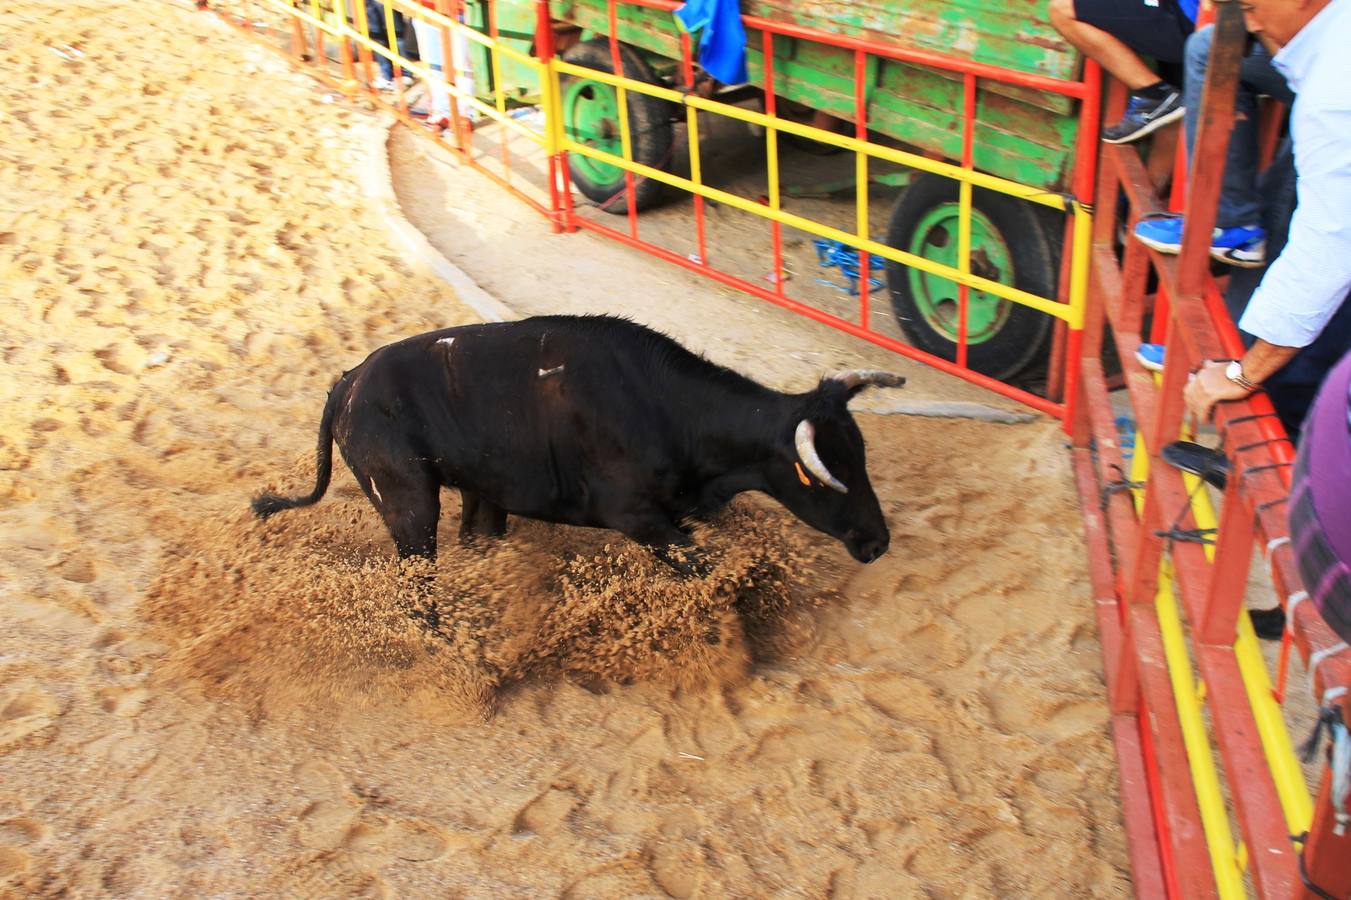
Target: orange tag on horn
{"x": 801, "y": 475}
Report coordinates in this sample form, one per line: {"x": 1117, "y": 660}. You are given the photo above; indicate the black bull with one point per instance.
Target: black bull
{"x": 591, "y": 421}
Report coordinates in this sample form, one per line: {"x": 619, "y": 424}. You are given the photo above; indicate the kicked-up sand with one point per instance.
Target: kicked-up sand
{"x": 193, "y": 702}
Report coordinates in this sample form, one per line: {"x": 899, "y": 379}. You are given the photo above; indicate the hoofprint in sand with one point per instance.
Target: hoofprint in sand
{"x": 194, "y": 702}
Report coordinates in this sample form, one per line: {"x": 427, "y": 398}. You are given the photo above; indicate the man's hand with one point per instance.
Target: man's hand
{"x": 1208, "y": 386}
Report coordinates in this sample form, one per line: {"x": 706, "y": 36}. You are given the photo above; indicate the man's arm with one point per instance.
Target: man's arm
{"x": 1212, "y": 384}
{"x": 1309, "y": 280}
{"x": 1264, "y": 360}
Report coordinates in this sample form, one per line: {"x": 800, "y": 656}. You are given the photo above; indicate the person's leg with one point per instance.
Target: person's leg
{"x": 464, "y": 74}
{"x": 407, "y": 41}
{"x": 1101, "y": 46}
{"x": 375, "y": 27}
{"x": 1196, "y": 59}
{"x": 1240, "y": 239}
{"x": 1240, "y": 203}
{"x": 429, "y": 49}
{"x": 1113, "y": 33}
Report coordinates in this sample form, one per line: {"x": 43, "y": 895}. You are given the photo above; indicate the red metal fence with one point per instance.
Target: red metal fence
{"x": 1173, "y": 799}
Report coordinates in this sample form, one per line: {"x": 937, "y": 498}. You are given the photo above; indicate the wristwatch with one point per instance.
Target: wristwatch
{"x": 1234, "y": 372}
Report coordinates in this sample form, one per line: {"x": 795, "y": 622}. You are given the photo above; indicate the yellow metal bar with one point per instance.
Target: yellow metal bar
{"x": 625, "y": 139}
{"x": 692, "y": 128}
{"x": 416, "y": 10}
{"x": 426, "y": 73}
{"x": 499, "y": 98}
{"x": 772, "y": 166}
{"x": 519, "y": 56}
{"x": 1050, "y": 307}
{"x": 964, "y": 261}
{"x": 344, "y": 51}
{"x": 1205, "y": 780}
{"x": 555, "y": 124}
{"x": 964, "y": 228}
{"x": 911, "y": 160}
{"x": 1209, "y": 796}
{"x": 1080, "y": 247}
{"x": 1291, "y": 788}
{"x": 391, "y": 35}
{"x": 298, "y": 13}
{"x": 642, "y": 87}
{"x": 861, "y": 197}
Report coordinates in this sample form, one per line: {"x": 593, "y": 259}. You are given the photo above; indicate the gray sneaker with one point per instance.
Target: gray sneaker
{"x": 1144, "y": 116}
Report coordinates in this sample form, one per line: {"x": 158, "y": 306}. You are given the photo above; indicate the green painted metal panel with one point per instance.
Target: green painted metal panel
{"x": 516, "y": 29}
{"x": 1013, "y": 34}
{"x": 1021, "y": 134}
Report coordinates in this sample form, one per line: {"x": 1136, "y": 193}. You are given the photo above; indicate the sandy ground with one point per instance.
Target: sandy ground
{"x": 192, "y": 702}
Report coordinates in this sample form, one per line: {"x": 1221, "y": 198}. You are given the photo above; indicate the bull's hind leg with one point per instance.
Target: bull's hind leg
{"x": 410, "y": 505}
{"x": 479, "y": 516}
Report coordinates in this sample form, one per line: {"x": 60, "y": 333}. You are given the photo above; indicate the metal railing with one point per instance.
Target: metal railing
{"x": 1177, "y": 646}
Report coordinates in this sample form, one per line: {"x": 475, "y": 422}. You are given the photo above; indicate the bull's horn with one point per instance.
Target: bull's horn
{"x": 804, "y": 438}
{"x": 861, "y": 378}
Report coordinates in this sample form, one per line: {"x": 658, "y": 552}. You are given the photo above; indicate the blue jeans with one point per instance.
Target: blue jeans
{"x": 375, "y": 24}
{"x": 1240, "y": 202}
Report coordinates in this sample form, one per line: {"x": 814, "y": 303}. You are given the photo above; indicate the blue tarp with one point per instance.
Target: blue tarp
{"x": 722, "y": 47}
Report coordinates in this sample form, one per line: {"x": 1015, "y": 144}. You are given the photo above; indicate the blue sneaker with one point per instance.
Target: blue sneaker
{"x": 1245, "y": 246}
{"x": 1162, "y": 233}
{"x": 1150, "y": 356}
{"x": 1145, "y": 115}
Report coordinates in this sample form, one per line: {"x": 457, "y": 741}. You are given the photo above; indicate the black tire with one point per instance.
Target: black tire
{"x": 650, "y": 123}
{"x": 1018, "y": 337}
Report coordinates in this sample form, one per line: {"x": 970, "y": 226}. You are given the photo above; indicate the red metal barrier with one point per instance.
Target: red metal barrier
{"x": 1126, "y": 547}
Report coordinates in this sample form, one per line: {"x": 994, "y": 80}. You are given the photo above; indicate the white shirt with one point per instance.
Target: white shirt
{"x": 1308, "y": 281}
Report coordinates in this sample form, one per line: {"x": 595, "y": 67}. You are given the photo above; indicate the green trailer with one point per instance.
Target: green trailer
{"x": 1020, "y": 134}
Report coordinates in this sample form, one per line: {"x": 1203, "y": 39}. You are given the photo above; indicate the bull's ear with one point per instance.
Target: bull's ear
{"x": 858, "y": 379}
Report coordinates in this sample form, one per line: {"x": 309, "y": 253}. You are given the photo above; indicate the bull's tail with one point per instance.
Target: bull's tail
{"x": 265, "y": 505}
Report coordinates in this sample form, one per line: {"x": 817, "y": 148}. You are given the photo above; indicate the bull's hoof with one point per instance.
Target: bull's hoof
{"x": 428, "y": 616}
{"x": 687, "y": 561}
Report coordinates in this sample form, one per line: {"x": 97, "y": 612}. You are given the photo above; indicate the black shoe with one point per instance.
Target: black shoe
{"x": 1212, "y": 465}
{"x": 1144, "y": 115}
{"x": 1268, "y": 623}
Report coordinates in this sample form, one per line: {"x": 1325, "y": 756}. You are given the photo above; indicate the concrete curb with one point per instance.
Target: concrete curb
{"x": 948, "y": 409}
{"x": 378, "y": 185}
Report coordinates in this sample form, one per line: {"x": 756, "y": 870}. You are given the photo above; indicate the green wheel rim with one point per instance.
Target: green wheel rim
{"x": 591, "y": 117}
{"x": 935, "y": 238}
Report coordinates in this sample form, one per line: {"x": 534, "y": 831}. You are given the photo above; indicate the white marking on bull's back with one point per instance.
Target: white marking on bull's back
{"x": 376, "y": 491}
{"x": 545, "y": 373}
{"x": 447, "y": 341}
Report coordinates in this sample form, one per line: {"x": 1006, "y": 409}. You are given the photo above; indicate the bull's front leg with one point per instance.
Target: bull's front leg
{"x": 668, "y": 543}
{"x": 716, "y": 493}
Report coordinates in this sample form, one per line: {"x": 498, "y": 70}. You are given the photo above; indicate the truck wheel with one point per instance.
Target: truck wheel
{"x": 591, "y": 116}
{"x": 1011, "y": 242}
